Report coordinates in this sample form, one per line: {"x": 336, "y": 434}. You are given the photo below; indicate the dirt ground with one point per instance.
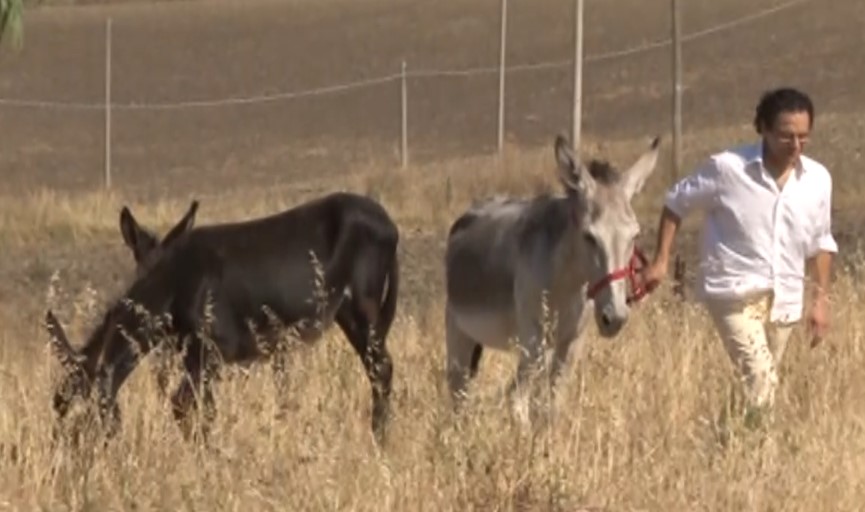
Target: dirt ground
{"x": 175, "y": 52}
{"x": 170, "y": 52}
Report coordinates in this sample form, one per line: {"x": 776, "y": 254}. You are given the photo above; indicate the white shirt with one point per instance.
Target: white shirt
{"x": 757, "y": 238}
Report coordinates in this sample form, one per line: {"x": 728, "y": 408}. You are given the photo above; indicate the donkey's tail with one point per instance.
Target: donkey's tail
{"x": 387, "y": 312}
{"x": 365, "y": 261}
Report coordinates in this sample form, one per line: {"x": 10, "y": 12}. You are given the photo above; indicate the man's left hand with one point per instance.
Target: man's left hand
{"x": 818, "y": 319}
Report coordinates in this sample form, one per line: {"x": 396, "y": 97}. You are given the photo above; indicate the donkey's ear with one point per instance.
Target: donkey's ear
{"x": 636, "y": 176}
{"x": 572, "y": 173}
{"x": 183, "y": 225}
{"x": 60, "y": 343}
{"x": 138, "y": 239}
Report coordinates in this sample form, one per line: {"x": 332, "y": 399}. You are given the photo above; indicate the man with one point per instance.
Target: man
{"x": 767, "y": 219}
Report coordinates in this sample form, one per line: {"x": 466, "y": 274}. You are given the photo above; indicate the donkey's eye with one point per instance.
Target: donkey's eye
{"x": 591, "y": 240}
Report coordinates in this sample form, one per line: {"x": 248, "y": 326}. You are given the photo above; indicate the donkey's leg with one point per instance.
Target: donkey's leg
{"x": 271, "y": 341}
{"x": 281, "y": 347}
{"x": 532, "y": 363}
{"x": 462, "y": 358}
{"x": 572, "y": 322}
{"x": 366, "y": 262}
{"x": 160, "y": 370}
{"x": 375, "y": 358}
{"x": 524, "y": 386}
{"x": 194, "y": 392}
{"x": 163, "y": 360}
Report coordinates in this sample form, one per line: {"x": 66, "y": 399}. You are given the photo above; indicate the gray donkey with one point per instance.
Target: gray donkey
{"x": 508, "y": 261}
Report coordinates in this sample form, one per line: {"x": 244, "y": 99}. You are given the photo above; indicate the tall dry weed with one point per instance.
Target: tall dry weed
{"x": 635, "y": 423}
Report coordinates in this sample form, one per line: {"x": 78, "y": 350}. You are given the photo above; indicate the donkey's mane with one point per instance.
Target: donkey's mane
{"x": 543, "y": 209}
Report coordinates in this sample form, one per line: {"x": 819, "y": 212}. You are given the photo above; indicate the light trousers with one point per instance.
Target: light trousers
{"x": 754, "y": 344}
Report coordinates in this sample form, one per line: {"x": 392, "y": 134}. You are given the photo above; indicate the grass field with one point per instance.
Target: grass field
{"x": 637, "y": 418}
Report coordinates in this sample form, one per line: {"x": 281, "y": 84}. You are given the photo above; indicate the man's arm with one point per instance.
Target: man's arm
{"x": 819, "y": 266}
{"x": 820, "y": 269}
{"x": 668, "y": 226}
{"x": 819, "y": 262}
{"x": 697, "y": 191}
{"x": 823, "y": 248}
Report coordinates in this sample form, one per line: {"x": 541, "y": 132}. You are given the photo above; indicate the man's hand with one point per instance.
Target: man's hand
{"x": 653, "y": 274}
{"x": 818, "y": 319}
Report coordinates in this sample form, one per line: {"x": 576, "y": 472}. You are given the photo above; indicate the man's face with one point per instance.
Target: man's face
{"x": 786, "y": 140}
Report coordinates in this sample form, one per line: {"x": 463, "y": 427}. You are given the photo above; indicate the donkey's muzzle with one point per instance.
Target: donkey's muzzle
{"x": 611, "y": 323}
{"x": 630, "y": 272}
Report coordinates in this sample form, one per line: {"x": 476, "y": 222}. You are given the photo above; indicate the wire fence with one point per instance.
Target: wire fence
{"x": 409, "y": 74}
{"x": 405, "y": 75}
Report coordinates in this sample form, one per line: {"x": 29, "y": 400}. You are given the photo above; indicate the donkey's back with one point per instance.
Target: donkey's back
{"x": 298, "y": 265}
{"x": 315, "y": 225}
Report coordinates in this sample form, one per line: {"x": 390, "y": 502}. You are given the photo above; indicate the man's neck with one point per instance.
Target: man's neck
{"x": 778, "y": 169}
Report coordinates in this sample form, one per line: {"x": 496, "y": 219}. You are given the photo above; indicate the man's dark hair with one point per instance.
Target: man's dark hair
{"x": 776, "y": 101}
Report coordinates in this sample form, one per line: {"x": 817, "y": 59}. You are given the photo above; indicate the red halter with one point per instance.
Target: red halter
{"x": 638, "y": 291}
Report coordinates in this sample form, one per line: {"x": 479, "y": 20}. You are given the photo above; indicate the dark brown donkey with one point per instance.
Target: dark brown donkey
{"x": 146, "y": 247}
{"x": 217, "y": 290}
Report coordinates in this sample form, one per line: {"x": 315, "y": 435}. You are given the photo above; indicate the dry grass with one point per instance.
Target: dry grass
{"x": 636, "y": 421}
{"x": 635, "y": 424}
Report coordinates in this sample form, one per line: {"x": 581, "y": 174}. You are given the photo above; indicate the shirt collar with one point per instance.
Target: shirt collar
{"x": 754, "y": 156}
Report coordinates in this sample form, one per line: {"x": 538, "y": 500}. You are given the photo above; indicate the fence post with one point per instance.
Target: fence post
{"x": 502, "y": 45}
{"x": 577, "y": 115}
{"x": 676, "y": 38}
{"x": 677, "y": 89}
{"x": 107, "y": 177}
{"x": 404, "y": 123}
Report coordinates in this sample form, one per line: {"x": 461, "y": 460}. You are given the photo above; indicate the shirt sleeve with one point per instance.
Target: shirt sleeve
{"x": 823, "y": 240}
{"x": 696, "y": 191}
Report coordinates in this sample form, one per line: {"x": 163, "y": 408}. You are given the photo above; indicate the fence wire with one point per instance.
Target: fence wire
{"x": 421, "y": 73}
